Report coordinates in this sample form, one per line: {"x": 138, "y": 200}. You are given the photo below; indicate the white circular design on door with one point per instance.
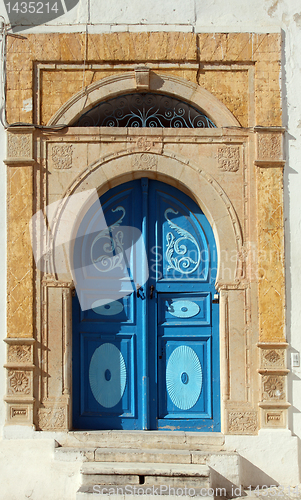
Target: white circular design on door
{"x": 184, "y": 377}
{"x": 107, "y": 375}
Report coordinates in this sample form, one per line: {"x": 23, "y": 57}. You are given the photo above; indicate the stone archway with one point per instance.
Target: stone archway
{"x": 144, "y": 80}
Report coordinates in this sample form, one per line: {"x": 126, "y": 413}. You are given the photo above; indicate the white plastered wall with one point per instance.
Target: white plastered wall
{"x": 273, "y": 453}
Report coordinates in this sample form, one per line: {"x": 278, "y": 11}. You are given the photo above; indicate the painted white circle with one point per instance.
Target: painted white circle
{"x": 106, "y": 308}
{"x": 107, "y": 375}
{"x": 184, "y": 377}
{"x": 183, "y": 308}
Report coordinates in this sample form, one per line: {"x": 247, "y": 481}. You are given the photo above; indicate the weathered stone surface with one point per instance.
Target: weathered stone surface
{"x": 19, "y": 257}
{"x": 270, "y": 254}
{"x": 230, "y": 84}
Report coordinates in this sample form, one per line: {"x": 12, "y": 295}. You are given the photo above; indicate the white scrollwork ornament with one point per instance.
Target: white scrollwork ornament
{"x": 113, "y": 246}
{"x": 185, "y": 264}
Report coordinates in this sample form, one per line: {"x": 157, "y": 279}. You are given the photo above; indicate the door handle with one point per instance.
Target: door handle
{"x": 138, "y": 288}
{"x": 152, "y": 288}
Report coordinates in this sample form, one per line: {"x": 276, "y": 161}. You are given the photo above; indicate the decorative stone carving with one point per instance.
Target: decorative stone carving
{"x": 52, "y": 418}
{"x": 242, "y": 422}
{"x": 273, "y": 358}
{"x": 19, "y": 353}
{"x": 145, "y": 162}
{"x": 228, "y": 158}
{"x": 18, "y": 412}
{"x": 269, "y": 146}
{"x": 19, "y": 145}
{"x": 274, "y": 417}
{"x": 145, "y": 144}
{"x": 61, "y": 155}
{"x": 273, "y": 387}
{"x": 19, "y": 382}
{"x": 142, "y": 78}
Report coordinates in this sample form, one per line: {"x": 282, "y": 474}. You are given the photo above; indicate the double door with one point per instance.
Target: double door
{"x": 145, "y": 314}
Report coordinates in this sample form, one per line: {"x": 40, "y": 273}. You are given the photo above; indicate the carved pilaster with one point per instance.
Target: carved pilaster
{"x": 273, "y": 372}
{"x": 20, "y": 370}
{"x": 54, "y": 406}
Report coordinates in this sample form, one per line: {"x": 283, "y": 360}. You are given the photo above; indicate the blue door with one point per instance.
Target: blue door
{"x": 145, "y": 317}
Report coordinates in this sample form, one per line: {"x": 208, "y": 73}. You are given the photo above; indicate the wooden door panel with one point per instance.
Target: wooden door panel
{"x": 184, "y": 379}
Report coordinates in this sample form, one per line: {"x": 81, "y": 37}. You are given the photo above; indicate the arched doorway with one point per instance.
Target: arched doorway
{"x": 145, "y": 355}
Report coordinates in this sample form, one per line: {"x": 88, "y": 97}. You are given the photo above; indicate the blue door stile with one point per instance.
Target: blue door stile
{"x": 145, "y": 378}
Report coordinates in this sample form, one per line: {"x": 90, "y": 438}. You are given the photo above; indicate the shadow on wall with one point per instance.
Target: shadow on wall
{"x": 235, "y": 479}
{"x": 253, "y": 476}
{"x": 218, "y": 482}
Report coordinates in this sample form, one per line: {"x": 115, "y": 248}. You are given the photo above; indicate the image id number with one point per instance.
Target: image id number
{"x": 32, "y": 7}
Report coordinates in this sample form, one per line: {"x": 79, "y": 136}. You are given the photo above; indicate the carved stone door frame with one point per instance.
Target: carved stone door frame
{"x": 234, "y": 174}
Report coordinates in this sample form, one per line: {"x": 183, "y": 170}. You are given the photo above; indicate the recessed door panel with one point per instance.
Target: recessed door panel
{"x": 183, "y": 381}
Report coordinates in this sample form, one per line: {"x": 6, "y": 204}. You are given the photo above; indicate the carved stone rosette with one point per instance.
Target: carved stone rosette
{"x": 20, "y": 369}
{"x": 145, "y": 161}
{"x": 273, "y": 373}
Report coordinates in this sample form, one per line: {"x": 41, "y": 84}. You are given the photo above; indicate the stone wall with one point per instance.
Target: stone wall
{"x": 242, "y": 71}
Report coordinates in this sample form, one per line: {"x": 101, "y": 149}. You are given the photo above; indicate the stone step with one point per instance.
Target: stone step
{"x": 69, "y": 454}
{"x": 135, "y": 474}
{"x": 192, "y": 441}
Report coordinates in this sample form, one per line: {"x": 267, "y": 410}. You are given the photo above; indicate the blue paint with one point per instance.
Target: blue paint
{"x": 184, "y": 378}
{"x": 144, "y": 312}
{"x": 162, "y": 369}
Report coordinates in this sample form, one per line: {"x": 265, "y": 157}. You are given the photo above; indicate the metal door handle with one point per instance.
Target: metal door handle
{"x": 152, "y": 288}
{"x": 138, "y": 288}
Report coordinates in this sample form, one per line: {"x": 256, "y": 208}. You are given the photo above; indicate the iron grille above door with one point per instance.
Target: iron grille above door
{"x": 144, "y": 110}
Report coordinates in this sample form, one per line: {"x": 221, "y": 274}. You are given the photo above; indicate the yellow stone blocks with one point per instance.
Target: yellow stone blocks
{"x": 233, "y": 85}
{"x": 19, "y": 253}
{"x": 270, "y": 254}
